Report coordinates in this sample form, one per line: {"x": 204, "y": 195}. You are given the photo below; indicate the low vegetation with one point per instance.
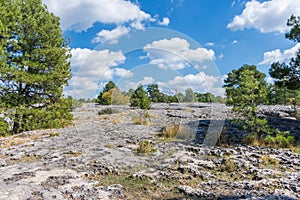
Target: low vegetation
{"x": 146, "y": 147}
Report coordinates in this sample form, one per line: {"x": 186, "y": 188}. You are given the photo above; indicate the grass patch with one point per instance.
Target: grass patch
{"x": 18, "y": 140}
{"x": 116, "y": 121}
{"x": 24, "y": 159}
{"x": 177, "y": 131}
{"x": 110, "y": 146}
{"x": 54, "y": 134}
{"x": 141, "y": 188}
{"x": 228, "y": 166}
{"x": 296, "y": 150}
{"x": 269, "y": 162}
{"x": 146, "y": 147}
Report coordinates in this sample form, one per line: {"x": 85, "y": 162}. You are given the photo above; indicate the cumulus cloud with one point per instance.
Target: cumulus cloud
{"x": 164, "y": 22}
{"x": 267, "y": 16}
{"x": 278, "y": 56}
{"x": 146, "y": 80}
{"x": 112, "y": 36}
{"x": 90, "y": 66}
{"x": 200, "y": 82}
{"x": 175, "y": 53}
{"x": 80, "y": 15}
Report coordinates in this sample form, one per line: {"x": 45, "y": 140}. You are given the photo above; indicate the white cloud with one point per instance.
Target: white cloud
{"x": 209, "y": 44}
{"x": 267, "y": 16}
{"x": 80, "y": 15}
{"x": 221, "y": 56}
{"x": 278, "y": 56}
{"x": 90, "y": 66}
{"x": 122, "y": 72}
{"x": 175, "y": 53}
{"x": 200, "y": 82}
{"x": 146, "y": 80}
{"x": 234, "y": 41}
{"x": 164, "y": 22}
{"x": 111, "y": 36}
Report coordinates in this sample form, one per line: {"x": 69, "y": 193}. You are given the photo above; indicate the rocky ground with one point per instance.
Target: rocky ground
{"x": 99, "y": 157}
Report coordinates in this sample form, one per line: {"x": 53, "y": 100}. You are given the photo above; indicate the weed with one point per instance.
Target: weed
{"x": 228, "y": 166}
{"x": 111, "y": 146}
{"x": 54, "y": 134}
{"x": 146, "y": 147}
{"x": 107, "y": 111}
{"x": 269, "y": 162}
{"x": 116, "y": 121}
{"x": 178, "y": 131}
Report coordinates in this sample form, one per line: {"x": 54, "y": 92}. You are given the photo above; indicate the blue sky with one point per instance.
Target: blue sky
{"x": 174, "y": 43}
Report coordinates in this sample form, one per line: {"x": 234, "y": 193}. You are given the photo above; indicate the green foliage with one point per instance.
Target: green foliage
{"x": 111, "y": 95}
{"x": 146, "y": 147}
{"x": 280, "y": 139}
{"x": 190, "y": 95}
{"x": 245, "y": 89}
{"x": 34, "y": 66}
{"x": 3, "y": 127}
{"x": 154, "y": 94}
{"x": 107, "y": 111}
{"x": 104, "y": 98}
{"x": 139, "y": 99}
{"x": 294, "y": 33}
{"x": 287, "y": 76}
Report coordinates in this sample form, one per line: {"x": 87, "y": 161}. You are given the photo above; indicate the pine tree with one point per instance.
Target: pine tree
{"x": 34, "y": 66}
{"x": 139, "y": 98}
{"x": 245, "y": 89}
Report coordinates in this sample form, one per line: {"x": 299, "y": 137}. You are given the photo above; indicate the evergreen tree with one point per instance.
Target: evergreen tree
{"x": 288, "y": 75}
{"x": 34, "y": 66}
{"x": 139, "y": 98}
{"x": 245, "y": 89}
{"x": 104, "y": 98}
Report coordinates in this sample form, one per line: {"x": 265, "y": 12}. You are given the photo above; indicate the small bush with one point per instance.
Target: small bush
{"x": 177, "y": 131}
{"x": 280, "y": 139}
{"x": 107, "y": 111}
{"x": 146, "y": 147}
{"x": 228, "y": 166}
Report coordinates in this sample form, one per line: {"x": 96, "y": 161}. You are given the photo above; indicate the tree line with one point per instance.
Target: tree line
{"x": 142, "y": 98}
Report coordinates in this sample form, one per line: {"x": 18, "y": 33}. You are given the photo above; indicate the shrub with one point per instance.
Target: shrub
{"x": 228, "y": 166}
{"x": 146, "y": 147}
{"x": 107, "y": 111}
{"x": 280, "y": 139}
{"x": 177, "y": 131}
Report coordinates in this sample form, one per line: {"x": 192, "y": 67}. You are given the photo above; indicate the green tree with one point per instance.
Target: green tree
{"x": 281, "y": 73}
{"x": 140, "y": 99}
{"x": 154, "y": 93}
{"x": 190, "y": 95}
{"x": 245, "y": 89}
{"x": 104, "y": 98}
{"x": 34, "y": 66}
{"x": 287, "y": 76}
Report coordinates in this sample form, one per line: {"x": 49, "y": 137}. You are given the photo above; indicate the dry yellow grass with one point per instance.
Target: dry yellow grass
{"x": 177, "y": 131}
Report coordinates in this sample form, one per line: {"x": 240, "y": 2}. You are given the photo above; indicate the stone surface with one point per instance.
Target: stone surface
{"x": 44, "y": 165}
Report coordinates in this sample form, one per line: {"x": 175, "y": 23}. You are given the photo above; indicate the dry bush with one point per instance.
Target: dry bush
{"x": 177, "y": 131}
